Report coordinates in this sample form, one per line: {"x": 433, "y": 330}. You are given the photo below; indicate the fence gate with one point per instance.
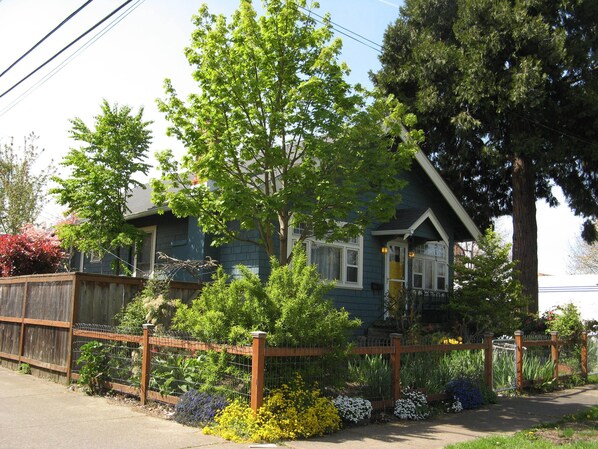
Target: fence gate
{"x": 504, "y": 364}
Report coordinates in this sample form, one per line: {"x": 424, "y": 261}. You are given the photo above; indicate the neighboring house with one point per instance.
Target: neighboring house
{"x": 412, "y": 252}
{"x": 581, "y": 290}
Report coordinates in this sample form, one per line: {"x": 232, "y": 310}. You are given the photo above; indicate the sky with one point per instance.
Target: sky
{"x": 126, "y": 59}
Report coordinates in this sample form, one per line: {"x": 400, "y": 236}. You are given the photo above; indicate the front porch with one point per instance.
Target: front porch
{"x": 426, "y": 307}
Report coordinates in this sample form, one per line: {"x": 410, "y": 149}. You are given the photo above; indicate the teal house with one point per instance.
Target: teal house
{"x": 409, "y": 256}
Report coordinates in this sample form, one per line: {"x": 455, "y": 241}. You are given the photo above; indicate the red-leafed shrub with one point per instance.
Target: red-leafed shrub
{"x": 34, "y": 251}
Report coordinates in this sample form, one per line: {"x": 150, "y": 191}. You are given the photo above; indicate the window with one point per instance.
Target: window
{"x": 430, "y": 266}
{"x": 143, "y": 263}
{"x": 338, "y": 261}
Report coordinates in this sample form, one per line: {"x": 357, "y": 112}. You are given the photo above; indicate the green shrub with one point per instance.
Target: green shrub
{"x": 488, "y": 295}
{"x": 566, "y": 320}
{"x": 150, "y": 305}
{"x": 291, "y": 307}
{"x": 288, "y": 413}
{"x": 94, "y": 366}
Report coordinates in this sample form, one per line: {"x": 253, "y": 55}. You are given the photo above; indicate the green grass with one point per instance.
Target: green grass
{"x": 575, "y": 431}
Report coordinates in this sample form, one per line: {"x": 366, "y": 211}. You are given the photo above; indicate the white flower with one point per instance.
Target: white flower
{"x": 353, "y": 409}
{"x": 413, "y": 406}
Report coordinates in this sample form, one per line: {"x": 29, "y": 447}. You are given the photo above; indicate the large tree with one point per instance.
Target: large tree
{"x": 22, "y": 185}
{"x": 507, "y": 93}
{"x": 102, "y": 175}
{"x": 276, "y": 136}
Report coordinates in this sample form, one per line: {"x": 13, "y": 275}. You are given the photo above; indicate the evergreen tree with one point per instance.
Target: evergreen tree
{"x": 488, "y": 296}
{"x": 507, "y": 95}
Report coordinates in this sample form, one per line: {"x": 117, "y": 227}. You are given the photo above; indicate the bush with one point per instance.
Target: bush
{"x": 353, "y": 409}
{"x": 288, "y": 413}
{"x": 566, "y": 320}
{"x": 488, "y": 295}
{"x": 413, "y": 406}
{"x": 468, "y": 394}
{"x": 150, "y": 305}
{"x": 34, "y": 251}
{"x": 291, "y": 307}
{"x": 198, "y": 409}
{"x": 94, "y": 366}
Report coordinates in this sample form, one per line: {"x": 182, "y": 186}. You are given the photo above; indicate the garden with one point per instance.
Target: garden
{"x": 315, "y": 378}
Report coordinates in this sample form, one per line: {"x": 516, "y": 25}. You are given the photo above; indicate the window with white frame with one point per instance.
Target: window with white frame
{"x": 338, "y": 261}
{"x": 430, "y": 266}
{"x": 145, "y": 254}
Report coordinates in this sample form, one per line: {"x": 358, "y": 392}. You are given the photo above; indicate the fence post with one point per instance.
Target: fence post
{"x": 258, "y": 363}
{"x": 554, "y": 352}
{"x": 395, "y": 362}
{"x": 488, "y": 359}
{"x": 146, "y": 362}
{"x": 584, "y": 354}
{"x": 519, "y": 360}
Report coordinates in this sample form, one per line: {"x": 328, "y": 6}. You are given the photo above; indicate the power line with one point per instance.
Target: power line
{"x": 347, "y": 32}
{"x": 76, "y": 53}
{"x": 81, "y": 36}
{"x": 73, "y": 14}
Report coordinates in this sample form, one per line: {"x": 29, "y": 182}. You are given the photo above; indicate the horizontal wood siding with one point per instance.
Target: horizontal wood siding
{"x": 365, "y": 303}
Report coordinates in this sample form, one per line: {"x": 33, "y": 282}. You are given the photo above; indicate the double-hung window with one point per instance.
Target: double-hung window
{"x": 430, "y": 266}
{"x": 338, "y": 261}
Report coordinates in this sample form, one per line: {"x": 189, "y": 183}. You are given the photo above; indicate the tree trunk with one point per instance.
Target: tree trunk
{"x": 525, "y": 228}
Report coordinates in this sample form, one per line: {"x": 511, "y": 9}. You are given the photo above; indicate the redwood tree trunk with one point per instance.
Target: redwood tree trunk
{"x": 525, "y": 228}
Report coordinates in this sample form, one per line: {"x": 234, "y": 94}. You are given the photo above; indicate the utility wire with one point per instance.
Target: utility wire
{"x": 347, "y": 32}
{"x": 73, "y": 14}
{"x": 76, "y": 53}
{"x": 66, "y": 47}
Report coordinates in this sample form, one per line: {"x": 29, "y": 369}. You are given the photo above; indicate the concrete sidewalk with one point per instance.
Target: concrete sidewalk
{"x": 40, "y": 414}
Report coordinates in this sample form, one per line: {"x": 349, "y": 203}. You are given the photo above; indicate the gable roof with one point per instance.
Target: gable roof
{"x": 447, "y": 194}
{"x": 140, "y": 204}
{"x": 407, "y": 221}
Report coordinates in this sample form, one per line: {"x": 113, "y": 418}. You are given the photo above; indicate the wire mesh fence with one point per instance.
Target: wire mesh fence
{"x": 175, "y": 366}
{"x": 164, "y": 366}
{"x": 174, "y": 370}
{"x": 504, "y": 364}
{"x": 593, "y": 353}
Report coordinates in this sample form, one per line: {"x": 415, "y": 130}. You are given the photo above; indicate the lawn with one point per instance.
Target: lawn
{"x": 575, "y": 431}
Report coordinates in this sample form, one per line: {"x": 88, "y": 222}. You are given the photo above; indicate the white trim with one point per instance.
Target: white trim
{"x": 406, "y": 233}
{"x": 151, "y": 230}
{"x": 344, "y": 246}
{"x": 447, "y": 193}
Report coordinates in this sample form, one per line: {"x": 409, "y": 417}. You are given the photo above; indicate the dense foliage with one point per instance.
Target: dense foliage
{"x": 468, "y": 394}
{"x": 291, "y": 307}
{"x": 22, "y": 187}
{"x": 150, "y": 305}
{"x": 288, "y": 413}
{"x": 198, "y": 409}
{"x": 506, "y": 93}
{"x": 488, "y": 295}
{"x": 34, "y": 251}
{"x": 94, "y": 362}
{"x": 276, "y": 137}
{"x": 101, "y": 180}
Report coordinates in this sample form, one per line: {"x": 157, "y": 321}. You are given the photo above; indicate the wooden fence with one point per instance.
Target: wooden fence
{"x": 37, "y": 313}
{"x": 259, "y": 352}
